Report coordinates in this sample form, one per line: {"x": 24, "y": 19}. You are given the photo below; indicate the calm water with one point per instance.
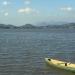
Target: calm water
{"x": 23, "y": 52}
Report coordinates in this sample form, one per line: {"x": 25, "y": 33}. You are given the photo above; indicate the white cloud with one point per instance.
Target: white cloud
{"x": 27, "y": 2}
{"x": 67, "y": 9}
{"x": 21, "y": 10}
{"x": 25, "y": 10}
{"x": 6, "y": 3}
{"x": 6, "y": 14}
{"x": 28, "y": 10}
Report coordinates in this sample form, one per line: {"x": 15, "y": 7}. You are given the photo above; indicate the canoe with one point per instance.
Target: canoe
{"x": 61, "y": 64}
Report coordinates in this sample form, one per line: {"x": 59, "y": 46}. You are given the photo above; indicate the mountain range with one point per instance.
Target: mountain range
{"x": 30, "y": 26}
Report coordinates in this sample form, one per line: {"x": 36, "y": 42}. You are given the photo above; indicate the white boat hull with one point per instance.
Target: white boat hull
{"x": 60, "y": 64}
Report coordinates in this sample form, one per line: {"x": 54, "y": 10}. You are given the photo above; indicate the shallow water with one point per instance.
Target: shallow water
{"x": 22, "y": 52}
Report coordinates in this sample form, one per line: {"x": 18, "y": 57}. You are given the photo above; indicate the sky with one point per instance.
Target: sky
{"x": 21, "y": 12}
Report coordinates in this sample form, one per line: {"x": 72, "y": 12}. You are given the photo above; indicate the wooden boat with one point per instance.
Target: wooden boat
{"x": 61, "y": 64}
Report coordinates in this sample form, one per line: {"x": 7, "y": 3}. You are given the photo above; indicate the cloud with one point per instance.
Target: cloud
{"x": 28, "y": 10}
{"x": 27, "y": 2}
{"x": 6, "y": 14}
{"x": 6, "y": 2}
{"x": 66, "y": 9}
{"x": 25, "y": 10}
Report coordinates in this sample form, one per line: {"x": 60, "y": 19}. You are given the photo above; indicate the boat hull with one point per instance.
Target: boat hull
{"x": 60, "y": 64}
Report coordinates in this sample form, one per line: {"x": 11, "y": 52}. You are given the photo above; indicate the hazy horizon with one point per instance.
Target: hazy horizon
{"x": 21, "y": 12}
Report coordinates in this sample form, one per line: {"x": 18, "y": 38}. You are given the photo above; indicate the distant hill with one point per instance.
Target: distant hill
{"x": 30, "y": 26}
{"x": 3, "y": 26}
{"x": 27, "y": 26}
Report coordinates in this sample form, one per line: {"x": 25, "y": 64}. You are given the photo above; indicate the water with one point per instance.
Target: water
{"x": 22, "y": 52}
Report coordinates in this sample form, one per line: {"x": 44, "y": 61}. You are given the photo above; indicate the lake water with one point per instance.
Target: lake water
{"x": 22, "y": 52}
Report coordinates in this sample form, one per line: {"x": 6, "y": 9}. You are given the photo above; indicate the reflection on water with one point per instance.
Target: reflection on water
{"x": 23, "y": 52}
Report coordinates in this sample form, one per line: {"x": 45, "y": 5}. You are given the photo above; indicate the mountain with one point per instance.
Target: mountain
{"x": 3, "y": 26}
{"x": 51, "y": 23}
{"x": 27, "y": 26}
{"x": 30, "y": 26}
